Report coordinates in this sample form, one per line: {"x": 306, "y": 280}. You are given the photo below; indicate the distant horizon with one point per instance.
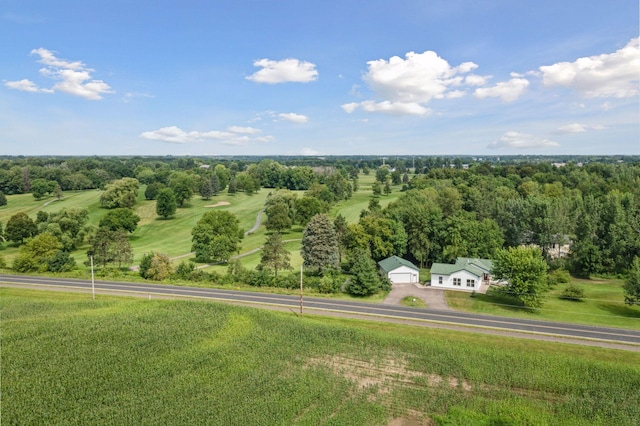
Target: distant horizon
{"x": 328, "y": 78}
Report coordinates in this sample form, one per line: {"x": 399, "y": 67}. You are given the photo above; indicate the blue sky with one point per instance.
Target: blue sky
{"x": 325, "y": 77}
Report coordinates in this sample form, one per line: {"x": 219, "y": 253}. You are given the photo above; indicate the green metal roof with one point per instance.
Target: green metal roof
{"x": 394, "y": 262}
{"x": 476, "y": 267}
{"x": 485, "y": 264}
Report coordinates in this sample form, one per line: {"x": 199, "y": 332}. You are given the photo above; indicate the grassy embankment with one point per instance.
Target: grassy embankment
{"x": 69, "y": 360}
{"x": 603, "y": 305}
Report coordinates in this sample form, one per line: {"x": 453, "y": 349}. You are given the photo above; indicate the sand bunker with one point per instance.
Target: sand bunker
{"x": 218, "y": 204}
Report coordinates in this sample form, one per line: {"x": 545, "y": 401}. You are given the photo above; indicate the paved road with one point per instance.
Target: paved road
{"x": 330, "y": 305}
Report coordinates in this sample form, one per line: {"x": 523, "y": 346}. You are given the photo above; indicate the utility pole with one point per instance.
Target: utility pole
{"x": 93, "y": 284}
{"x": 301, "y": 290}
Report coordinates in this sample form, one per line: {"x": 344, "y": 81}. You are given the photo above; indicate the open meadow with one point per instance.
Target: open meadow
{"x": 69, "y": 360}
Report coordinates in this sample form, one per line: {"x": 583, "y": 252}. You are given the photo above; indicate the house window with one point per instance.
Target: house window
{"x": 471, "y": 283}
{"x": 457, "y": 281}
{"x": 440, "y": 280}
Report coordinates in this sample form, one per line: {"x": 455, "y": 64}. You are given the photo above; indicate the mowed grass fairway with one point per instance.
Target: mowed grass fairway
{"x": 603, "y": 305}
{"x": 69, "y": 360}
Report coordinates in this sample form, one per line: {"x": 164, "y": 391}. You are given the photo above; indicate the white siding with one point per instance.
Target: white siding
{"x": 402, "y": 275}
{"x": 448, "y": 281}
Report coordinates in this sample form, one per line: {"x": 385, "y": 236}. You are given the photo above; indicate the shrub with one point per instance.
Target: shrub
{"x": 184, "y": 269}
{"x": 61, "y": 261}
{"x": 559, "y": 276}
{"x": 572, "y": 292}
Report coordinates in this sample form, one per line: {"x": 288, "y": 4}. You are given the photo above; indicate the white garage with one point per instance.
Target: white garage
{"x": 399, "y": 270}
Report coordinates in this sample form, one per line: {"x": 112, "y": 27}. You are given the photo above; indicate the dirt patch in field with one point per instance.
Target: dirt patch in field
{"x": 218, "y": 204}
{"x": 385, "y": 374}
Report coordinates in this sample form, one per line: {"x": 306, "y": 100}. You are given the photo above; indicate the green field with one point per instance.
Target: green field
{"x": 603, "y": 305}
{"x": 69, "y": 360}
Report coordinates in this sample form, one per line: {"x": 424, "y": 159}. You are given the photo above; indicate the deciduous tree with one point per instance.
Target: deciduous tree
{"x": 108, "y": 246}
{"x": 120, "y": 219}
{"x": 19, "y": 228}
{"x": 216, "y": 236}
{"x": 166, "y": 204}
{"x": 525, "y": 271}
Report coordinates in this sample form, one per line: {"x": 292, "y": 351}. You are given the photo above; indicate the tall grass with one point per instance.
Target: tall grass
{"x": 69, "y": 360}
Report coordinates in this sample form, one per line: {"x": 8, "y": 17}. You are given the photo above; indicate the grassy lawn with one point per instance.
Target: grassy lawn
{"x": 603, "y": 305}
{"x": 69, "y": 360}
{"x": 414, "y": 302}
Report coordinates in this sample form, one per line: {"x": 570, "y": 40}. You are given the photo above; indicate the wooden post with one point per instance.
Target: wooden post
{"x": 93, "y": 284}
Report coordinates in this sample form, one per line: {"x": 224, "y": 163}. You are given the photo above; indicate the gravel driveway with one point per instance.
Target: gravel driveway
{"x": 433, "y": 297}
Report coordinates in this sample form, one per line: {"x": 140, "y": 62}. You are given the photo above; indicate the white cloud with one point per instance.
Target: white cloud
{"x": 48, "y": 58}
{"x": 247, "y": 130}
{"x": 293, "y": 117}
{"x": 235, "y": 135}
{"x": 350, "y": 107}
{"x": 73, "y": 78}
{"x": 393, "y": 108}
{"x": 519, "y": 140}
{"x": 287, "y": 70}
{"x": 576, "y": 128}
{"x": 412, "y": 108}
{"x": 25, "y": 86}
{"x": 607, "y": 75}
{"x": 419, "y": 78}
{"x": 508, "y": 91}
{"x": 476, "y": 80}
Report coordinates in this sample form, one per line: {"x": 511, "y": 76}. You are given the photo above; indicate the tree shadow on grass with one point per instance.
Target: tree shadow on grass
{"x": 619, "y": 309}
{"x": 499, "y": 298}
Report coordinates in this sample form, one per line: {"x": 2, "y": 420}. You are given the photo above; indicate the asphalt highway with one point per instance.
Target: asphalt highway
{"x": 348, "y": 307}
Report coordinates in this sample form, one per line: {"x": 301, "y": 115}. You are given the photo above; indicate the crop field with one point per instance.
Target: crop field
{"x": 69, "y": 360}
{"x": 603, "y": 305}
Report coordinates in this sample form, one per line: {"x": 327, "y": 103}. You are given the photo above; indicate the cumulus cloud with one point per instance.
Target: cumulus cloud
{"x": 418, "y": 78}
{"x": 576, "y": 128}
{"x": 508, "y": 91}
{"x": 607, "y": 75}
{"x": 405, "y": 86}
{"x": 293, "y": 117}
{"x": 73, "y": 77}
{"x": 234, "y": 135}
{"x": 393, "y": 108}
{"x": 287, "y": 70}
{"x": 519, "y": 140}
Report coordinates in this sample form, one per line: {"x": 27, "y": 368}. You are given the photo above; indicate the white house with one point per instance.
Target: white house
{"x": 466, "y": 274}
{"x": 399, "y": 270}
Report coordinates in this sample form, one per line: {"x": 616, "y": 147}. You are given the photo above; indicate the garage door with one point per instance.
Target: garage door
{"x": 400, "y": 278}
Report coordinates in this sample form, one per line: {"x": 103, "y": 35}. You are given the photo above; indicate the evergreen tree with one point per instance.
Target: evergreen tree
{"x": 215, "y": 184}
{"x": 364, "y": 280}
{"x": 632, "y": 284}
{"x": 206, "y": 191}
{"x": 3, "y": 199}
{"x": 274, "y": 255}
{"x": 320, "y": 244}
